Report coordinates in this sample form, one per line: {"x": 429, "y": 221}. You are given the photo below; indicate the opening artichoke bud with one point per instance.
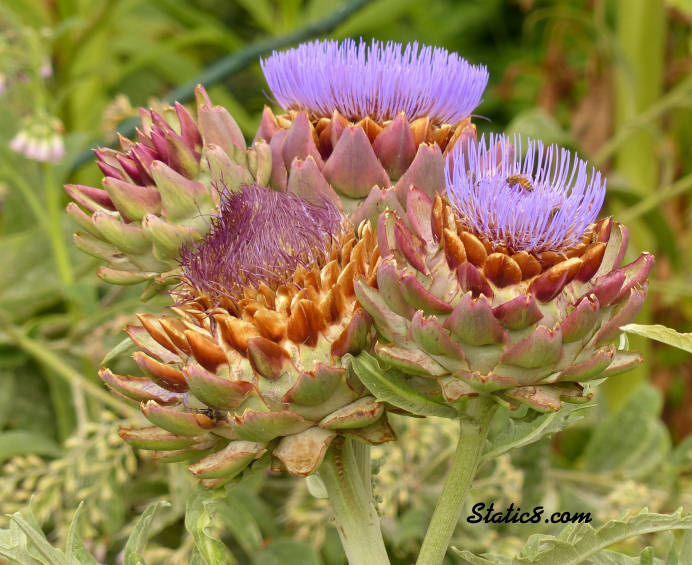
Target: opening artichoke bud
{"x": 159, "y": 190}
{"x": 369, "y": 115}
{"x": 251, "y": 362}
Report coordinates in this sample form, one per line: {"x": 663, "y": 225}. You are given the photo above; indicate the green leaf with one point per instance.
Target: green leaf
{"x": 239, "y": 520}
{"x": 472, "y": 558}
{"x": 75, "y": 552}
{"x": 579, "y": 542}
{"x": 199, "y": 522}
{"x": 632, "y": 440}
{"x": 391, "y": 386}
{"x": 533, "y": 426}
{"x": 284, "y": 551}
{"x": 16, "y": 548}
{"x": 140, "y": 534}
{"x": 607, "y": 557}
{"x": 686, "y": 549}
{"x": 662, "y": 334}
{"x": 40, "y": 547}
{"x": 21, "y": 442}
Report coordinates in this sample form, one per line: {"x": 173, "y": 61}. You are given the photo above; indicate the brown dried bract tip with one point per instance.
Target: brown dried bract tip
{"x": 501, "y": 265}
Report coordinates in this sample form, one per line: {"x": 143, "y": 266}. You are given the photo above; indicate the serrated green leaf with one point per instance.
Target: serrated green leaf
{"x": 140, "y": 534}
{"x": 39, "y": 546}
{"x": 199, "y": 522}
{"x": 391, "y": 386}
{"x": 14, "y": 546}
{"x": 75, "y": 552}
{"x": 520, "y": 432}
{"x": 580, "y": 542}
{"x": 663, "y": 334}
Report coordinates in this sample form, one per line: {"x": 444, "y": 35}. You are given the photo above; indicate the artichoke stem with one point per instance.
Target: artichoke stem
{"x": 350, "y": 496}
{"x": 473, "y": 430}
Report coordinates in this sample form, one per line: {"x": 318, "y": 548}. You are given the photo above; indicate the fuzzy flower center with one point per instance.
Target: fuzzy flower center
{"x": 379, "y": 80}
{"x": 541, "y": 201}
{"x": 260, "y": 236}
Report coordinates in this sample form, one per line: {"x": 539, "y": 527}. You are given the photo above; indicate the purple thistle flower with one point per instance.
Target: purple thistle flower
{"x": 379, "y": 80}
{"x": 259, "y": 236}
{"x": 543, "y": 201}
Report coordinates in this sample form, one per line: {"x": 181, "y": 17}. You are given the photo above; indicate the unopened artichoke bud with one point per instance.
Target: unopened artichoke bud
{"x": 160, "y": 190}
{"x": 363, "y": 116}
{"x": 506, "y": 285}
{"x": 252, "y": 361}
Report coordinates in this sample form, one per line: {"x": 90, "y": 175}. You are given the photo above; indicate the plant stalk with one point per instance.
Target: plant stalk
{"x": 473, "y": 430}
{"x": 351, "y": 501}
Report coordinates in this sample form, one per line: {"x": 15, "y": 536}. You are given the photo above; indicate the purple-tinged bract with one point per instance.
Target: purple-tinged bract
{"x": 377, "y": 80}
{"x": 260, "y": 236}
{"x": 540, "y": 200}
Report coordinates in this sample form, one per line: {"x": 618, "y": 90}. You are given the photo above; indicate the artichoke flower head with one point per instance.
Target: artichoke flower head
{"x": 360, "y": 115}
{"x": 251, "y": 362}
{"x": 506, "y": 285}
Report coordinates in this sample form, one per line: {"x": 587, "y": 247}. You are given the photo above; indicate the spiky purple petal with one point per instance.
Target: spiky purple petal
{"x": 549, "y": 210}
{"x": 379, "y": 80}
{"x": 260, "y": 236}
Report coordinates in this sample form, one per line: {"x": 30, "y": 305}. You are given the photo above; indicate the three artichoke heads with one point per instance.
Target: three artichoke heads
{"x": 364, "y": 220}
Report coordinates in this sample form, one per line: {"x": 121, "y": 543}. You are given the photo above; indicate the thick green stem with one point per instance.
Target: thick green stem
{"x": 473, "y": 429}
{"x": 351, "y": 501}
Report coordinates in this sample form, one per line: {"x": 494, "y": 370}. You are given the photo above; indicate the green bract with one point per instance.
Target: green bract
{"x": 159, "y": 191}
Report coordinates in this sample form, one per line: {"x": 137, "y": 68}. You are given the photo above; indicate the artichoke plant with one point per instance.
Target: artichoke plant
{"x": 159, "y": 191}
{"x": 505, "y": 286}
{"x": 251, "y": 362}
{"x": 359, "y": 116}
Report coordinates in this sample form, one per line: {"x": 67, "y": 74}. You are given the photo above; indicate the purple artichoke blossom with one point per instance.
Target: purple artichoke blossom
{"x": 252, "y": 362}
{"x": 507, "y": 288}
{"x": 159, "y": 191}
{"x": 362, "y": 115}
{"x": 378, "y": 81}
{"x": 542, "y": 201}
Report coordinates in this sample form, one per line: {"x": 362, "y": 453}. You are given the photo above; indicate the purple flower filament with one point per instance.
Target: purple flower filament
{"x": 379, "y": 80}
{"x": 260, "y": 236}
{"x": 541, "y": 201}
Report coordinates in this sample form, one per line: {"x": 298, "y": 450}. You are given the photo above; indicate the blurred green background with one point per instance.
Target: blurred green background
{"x": 608, "y": 78}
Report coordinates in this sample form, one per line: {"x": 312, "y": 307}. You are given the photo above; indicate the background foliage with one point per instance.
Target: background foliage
{"x": 608, "y": 78}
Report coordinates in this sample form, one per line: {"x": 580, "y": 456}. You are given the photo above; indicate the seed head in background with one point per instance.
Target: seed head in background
{"x": 505, "y": 285}
{"x": 363, "y": 115}
{"x": 251, "y": 362}
{"x": 160, "y": 190}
